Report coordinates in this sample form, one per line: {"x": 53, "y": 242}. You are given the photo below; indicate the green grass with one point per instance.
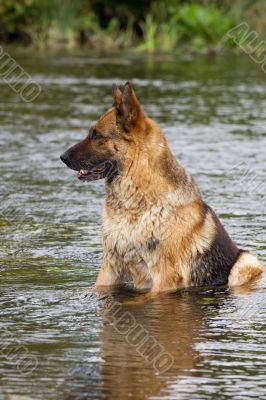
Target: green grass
{"x": 149, "y": 25}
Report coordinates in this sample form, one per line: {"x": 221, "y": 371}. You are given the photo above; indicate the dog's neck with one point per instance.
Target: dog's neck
{"x": 151, "y": 180}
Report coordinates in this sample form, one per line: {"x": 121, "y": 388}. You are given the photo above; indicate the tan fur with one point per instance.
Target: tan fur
{"x": 246, "y": 269}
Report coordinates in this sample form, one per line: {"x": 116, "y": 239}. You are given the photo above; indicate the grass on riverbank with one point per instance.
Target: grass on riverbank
{"x": 147, "y": 25}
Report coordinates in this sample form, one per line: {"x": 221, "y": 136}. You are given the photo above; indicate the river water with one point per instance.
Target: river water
{"x": 57, "y": 339}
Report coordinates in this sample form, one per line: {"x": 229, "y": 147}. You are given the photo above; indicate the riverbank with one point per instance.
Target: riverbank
{"x": 146, "y": 26}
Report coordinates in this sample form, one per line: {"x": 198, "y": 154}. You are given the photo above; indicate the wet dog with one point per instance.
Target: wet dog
{"x": 156, "y": 227}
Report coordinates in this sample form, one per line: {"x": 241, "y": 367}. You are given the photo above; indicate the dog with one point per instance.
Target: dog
{"x": 156, "y": 228}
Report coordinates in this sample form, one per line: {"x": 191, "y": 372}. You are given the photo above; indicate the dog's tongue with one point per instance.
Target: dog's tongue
{"x": 82, "y": 172}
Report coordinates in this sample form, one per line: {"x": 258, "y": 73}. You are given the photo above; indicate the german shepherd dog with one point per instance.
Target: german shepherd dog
{"x": 155, "y": 228}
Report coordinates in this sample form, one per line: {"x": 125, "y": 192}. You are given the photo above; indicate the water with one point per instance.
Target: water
{"x": 57, "y": 338}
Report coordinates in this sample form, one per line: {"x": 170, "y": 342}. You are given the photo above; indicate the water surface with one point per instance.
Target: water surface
{"x": 213, "y": 114}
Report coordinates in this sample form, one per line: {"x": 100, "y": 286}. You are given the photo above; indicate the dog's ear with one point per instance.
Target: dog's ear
{"x": 117, "y": 96}
{"x": 129, "y": 108}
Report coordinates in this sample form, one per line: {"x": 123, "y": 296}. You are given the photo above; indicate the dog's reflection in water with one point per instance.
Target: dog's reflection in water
{"x": 148, "y": 342}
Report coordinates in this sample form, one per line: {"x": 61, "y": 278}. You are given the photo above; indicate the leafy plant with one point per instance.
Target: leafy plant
{"x": 148, "y": 25}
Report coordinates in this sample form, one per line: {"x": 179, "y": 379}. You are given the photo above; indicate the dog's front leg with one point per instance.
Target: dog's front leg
{"x": 108, "y": 276}
{"x": 165, "y": 278}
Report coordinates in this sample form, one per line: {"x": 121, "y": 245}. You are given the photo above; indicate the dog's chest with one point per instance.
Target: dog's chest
{"x": 134, "y": 242}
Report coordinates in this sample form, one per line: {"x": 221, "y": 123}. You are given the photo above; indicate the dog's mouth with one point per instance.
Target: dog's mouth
{"x": 102, "y": 170}
{"x": 91, "y": 175}
{"x": 82, "y": 173}
{"x": 91, "y": 171}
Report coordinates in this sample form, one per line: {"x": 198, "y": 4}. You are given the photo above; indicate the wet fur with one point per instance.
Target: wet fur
{"x": 156, "y": 227}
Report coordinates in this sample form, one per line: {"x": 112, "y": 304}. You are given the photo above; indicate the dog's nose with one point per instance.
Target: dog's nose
{"x": 64, "y": 158}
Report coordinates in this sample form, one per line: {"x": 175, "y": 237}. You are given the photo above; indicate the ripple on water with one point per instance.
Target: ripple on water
{"x": 213, "y": 117}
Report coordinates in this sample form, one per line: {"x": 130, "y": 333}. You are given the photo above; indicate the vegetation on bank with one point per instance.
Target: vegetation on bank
{"x": 147, "y": 25}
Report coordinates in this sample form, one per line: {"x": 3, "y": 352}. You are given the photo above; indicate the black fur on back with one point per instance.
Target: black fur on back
{"x": 214, "y": 265}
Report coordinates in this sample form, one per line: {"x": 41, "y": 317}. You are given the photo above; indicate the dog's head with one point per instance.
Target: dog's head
{"x": 110, "y": 143}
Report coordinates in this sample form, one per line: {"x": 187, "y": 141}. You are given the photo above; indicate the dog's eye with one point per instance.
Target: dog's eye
{"x": 95, "y": 135}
